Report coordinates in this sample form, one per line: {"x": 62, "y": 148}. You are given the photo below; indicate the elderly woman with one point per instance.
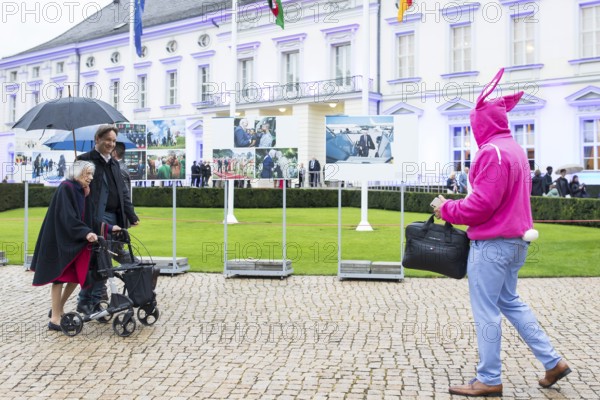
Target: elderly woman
{"x": 62, "y": 253}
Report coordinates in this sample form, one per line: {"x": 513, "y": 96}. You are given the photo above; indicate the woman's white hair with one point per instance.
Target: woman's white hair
{"x": 78, "y": 168}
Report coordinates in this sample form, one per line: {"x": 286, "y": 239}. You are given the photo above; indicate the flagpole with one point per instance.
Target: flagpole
{"x": 364, "y": 225}
{"x": 132, "y": 49}
{"x": 232, "y": 98}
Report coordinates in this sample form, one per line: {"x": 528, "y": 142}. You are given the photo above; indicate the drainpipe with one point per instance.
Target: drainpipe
{"x": 78, "y": 79}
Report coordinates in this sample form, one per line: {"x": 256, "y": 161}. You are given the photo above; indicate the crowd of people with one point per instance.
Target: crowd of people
{"x": 559, "y": 187}
{"x": 201, "y": 173}
{"x": 541, "y": 185}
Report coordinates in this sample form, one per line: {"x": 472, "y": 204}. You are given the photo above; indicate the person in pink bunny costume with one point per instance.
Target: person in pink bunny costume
{"x": 498, "y": 214}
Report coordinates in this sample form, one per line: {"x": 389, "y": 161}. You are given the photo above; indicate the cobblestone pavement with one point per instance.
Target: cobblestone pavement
{"x": 305, "y": 337}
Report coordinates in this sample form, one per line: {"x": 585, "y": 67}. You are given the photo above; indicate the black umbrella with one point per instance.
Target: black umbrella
{"x": 69, "y": 113}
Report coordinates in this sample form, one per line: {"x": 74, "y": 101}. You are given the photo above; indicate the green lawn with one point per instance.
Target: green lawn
{"x": 312, "y": 239}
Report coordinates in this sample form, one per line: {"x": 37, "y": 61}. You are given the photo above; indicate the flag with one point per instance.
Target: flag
{"x": 403, "y": 5}
{"x": 137, "y": 25}
{"x": 277, "y": 10}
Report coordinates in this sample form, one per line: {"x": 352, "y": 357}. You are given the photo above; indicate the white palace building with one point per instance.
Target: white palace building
{"x": 433, "y": 65}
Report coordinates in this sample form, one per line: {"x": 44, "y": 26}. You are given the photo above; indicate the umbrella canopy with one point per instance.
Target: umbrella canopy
{"x": 84, "y": 140}
{"x": 69, "y": 113}
{"x": 570, "y": 168}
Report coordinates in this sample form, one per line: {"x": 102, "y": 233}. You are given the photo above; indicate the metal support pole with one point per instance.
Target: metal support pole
{"x": 174, "y": 224}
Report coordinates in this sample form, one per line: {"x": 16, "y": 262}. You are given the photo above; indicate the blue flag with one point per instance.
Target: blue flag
{"x": 137, "y": 25}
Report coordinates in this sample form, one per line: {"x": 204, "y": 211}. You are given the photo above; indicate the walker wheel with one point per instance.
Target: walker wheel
{"x": 124, "y": 324}
{"x": 71, "y": 323}
{"x": 148, "y": 314}
{"x": 101, "y": 306}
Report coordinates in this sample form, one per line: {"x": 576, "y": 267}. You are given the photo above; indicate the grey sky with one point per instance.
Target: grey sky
{"x": 28, "y": 23}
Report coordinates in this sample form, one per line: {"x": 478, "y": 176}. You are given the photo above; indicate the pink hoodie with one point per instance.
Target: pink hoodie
{"x": 499, "y": 204}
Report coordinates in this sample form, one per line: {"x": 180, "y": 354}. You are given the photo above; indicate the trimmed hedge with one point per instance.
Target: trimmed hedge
{"x": 543, "y": 208}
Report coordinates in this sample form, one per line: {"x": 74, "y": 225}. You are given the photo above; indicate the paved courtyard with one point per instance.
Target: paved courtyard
{"x": 306, "y": 337}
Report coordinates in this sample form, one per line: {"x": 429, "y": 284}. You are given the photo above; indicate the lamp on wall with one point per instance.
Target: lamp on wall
{"x": 333, "y": 105}
{"x": 282, "y": 109}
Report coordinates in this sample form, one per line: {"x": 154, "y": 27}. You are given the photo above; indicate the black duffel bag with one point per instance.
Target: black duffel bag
{"x": 436, "y": 248}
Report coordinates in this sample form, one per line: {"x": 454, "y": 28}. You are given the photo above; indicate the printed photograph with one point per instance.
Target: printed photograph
{"x": 165, "y": 165}
{"x": 233, "y": 164}
{"x": 135, "y": 133}
{"x": 277, "y": 163}
{"x": 165, "y": 134}
{"x": 359, "y": 140}
{"x": 255, "y": 132}
{"x": 136, "y": 164}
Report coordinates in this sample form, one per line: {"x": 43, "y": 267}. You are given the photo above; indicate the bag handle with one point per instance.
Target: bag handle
{"x": 447, "y": 228}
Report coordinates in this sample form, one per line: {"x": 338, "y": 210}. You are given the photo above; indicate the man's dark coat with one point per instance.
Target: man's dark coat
{"x": 99, "y": 189}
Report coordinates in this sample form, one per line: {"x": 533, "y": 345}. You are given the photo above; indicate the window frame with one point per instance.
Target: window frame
{"x": 142, "y": 90}
{"x": 411, "y": 56}
{"x": 464, "y": 147}
{"x": 524, "y": 58}
{"x": 115, "y": 93}
{"x": 172, "y": 84}
{"x": 203, "y": 74}
{"x": 12, "y": 108}
{"x": 345, "y": 79}
{"x": 290, "y": 86}
{"x": 595, "y": 144}
{"x": 595, "y": 32}
{"x": 453, "y": 49}
{"x": 246, "y": 80}
{"x": 525, "y": 146}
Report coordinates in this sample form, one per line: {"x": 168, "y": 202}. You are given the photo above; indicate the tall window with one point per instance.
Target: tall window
{"x": 590, "y": 31}
{"x": 60, "y": 67}
{"x": 115, "y": 89}
{"x": 291, "y": 70}
{"x": 142, "y": 91}
{"x": 13, "y": 76}
{"x": 461, "y": 48}
{"x": 406, "y": 55}
{"x": 591, "y": 143}
{"x": 59, "y": 92}
{"x": 523, "y": 41}
{"x": 12, "y": 108}
{"x": 36, "y": 98}
{"x": 90, "y": 91}
{"x": 342, "y": 69}
{"x": 172, "y": 88}
{"x": 245, "y": 71}
{"x": 460, "y": 145}
{"x": 203, "y": 80}
{"x": 35, "y": 72}
{"x": 524, "y": 134}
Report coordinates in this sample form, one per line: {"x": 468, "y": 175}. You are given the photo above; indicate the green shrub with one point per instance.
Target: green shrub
{"x": 543, "y": 208}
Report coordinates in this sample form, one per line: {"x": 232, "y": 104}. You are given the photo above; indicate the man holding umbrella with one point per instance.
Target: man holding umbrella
{"x": 111, "y": 202}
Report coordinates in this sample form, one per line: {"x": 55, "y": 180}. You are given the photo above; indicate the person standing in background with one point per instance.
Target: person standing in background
{"x": 314, "y": 172}
{"x": 537, "y": 184}
{"x": 547, "y": 180}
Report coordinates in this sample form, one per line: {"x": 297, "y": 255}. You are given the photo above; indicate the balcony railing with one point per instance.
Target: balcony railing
{"x": 318, "y": 91}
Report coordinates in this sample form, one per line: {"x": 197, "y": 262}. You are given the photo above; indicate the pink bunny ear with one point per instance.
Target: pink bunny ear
{"x": 489, "y": 88}
{"x": 511, "y": 101}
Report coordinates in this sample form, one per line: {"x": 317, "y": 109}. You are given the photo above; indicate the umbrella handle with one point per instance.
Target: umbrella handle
{"x": 74, "y": 144}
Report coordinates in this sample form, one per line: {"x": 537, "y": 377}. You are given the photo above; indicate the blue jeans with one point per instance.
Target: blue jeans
{"x": 96, "y": 291}
{"x": 493, "y": 270}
